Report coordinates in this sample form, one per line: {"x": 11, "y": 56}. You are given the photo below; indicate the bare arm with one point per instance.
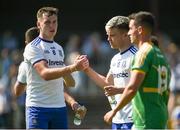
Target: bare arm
{"x": 19, "y": 88}
{"x": 112, "y": 90}
{"x": 129, "y": 92}
{"x": 99, "y": 79}
{"x": 131, "y": 89}
{"x": 76, "y": 107}
{"x": 71, "y": 101}
{"x": 54, "y": 73}
{"x": 171, "y": 103}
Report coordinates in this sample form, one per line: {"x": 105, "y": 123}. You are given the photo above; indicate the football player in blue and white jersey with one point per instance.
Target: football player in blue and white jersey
{"x": 45, "y": 104}
{"x": 119, "y": 72}
{"x": 20, "y": 85}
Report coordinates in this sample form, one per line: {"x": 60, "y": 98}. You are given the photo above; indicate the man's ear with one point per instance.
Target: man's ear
{"x": 38, "y": 24}
{"x": 140, "y": 29}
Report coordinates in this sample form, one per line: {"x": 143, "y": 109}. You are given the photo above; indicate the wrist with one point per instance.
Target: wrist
{"x": 115, "y": 111}
{"x": 75, "y": 106}
{"x": 86, "y": 70}
{"x": 72, "y": 68}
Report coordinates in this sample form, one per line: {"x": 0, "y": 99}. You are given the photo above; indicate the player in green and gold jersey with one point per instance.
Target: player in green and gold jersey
{"x": 150, "y": 77}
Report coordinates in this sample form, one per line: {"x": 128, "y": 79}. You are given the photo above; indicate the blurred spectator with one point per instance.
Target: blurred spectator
{"x": 172, "y": 53}
{"x": 5, "y": 105}
{"x": 5, "y": 61}
{"x": 176, "y": 117}
{"x": 99, "y": 54}
{"x": 72, "y": 50}
{"x": 98, "y": 51}
{"x": 9, "y": 41}
{"x": 73, "y": 44}
{"x": 18, "y": 104}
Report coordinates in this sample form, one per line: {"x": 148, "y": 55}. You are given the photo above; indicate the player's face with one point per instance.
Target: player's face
{"x": 115, "y": 37}
{"x": 48, "y": 26}
{"x": 133, "y": 32}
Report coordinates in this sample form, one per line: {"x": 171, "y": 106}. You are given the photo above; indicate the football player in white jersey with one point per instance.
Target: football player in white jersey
{"x": 119, "y": 72}
{"x": 45, "y": 104}
{"x": 20, "y": 85}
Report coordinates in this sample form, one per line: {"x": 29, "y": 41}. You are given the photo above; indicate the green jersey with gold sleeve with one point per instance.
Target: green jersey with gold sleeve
{"x": 150, "y": 103}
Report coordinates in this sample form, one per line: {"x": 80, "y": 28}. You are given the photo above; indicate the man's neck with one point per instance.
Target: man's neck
{"x": 144, "y": 39}
{"x": 45, "y": 37}
{"x": 124, "y": 48}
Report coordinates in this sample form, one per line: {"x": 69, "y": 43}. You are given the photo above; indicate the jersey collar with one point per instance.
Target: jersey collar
{"x": 46, "y": 40}
{"x": 121, "y": 53}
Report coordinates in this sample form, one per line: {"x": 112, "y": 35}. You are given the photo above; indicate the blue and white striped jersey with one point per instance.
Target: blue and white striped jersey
{"x": 41, "y": 93}
{"x": 120, "y": 68}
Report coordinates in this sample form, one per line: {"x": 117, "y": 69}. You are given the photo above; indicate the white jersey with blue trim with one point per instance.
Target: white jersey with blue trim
{"x": 120, "y": 68}
{"x": 22, "y": 72}
{"x": 41, "y": 93}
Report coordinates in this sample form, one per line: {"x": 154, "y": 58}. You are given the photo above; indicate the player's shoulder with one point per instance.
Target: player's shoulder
{"x": 145, "y": 48}
{"x": 34, "y": 46}
{"x": 23, "y": 64}
{"x": 129, "y": 51}
{"x": 116, "y": 56}
{"x": 35, "y": 42}
{"x": 132, "y": 50}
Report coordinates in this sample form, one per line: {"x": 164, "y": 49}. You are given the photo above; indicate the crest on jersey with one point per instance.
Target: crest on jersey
{"x": 121, "y": 64}
{"x": 46, "y": 51}
{"x": 60, "y": 53}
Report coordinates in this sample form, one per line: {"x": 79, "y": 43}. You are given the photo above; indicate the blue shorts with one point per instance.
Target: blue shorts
{"x": 122, "y": 126}
{"x": 46, "y": 118}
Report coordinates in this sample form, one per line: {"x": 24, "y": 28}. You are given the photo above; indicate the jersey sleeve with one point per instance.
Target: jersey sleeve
{"x": 111, "y": 66}
{"x": 61, "y": 51}
{"x": 142, "y": 60}
{"x": 33, "y": 53}
{"x": 22, "y": 73}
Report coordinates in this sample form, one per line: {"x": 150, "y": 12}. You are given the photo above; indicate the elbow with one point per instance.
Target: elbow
{"x": 15, "y": 90}
{"x": 73, "y": 83}
{"x": 133, "y": 91}
{"x": 44, "y": 73}
{"x": 19, "y": 88}
{"x": 16, "y": 93}
{"x": 45, "y": 76}
{"x": 70, "y": 84}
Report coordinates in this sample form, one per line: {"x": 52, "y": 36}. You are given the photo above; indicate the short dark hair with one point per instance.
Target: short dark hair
{"x": 31, "y": 34}
{"x": 154, "y": 40}
{"x": 145, "y": 19}
{"x": 49, "y": 10}
{"x": 120, "y": 22}
{"x": 132, "y": 16}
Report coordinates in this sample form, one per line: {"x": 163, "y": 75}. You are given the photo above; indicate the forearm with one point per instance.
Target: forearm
{"x": 113, "y": 90}
{"x": 126, "y": 97}
{"x": 100, "y": 80}
{"x": 131, "y": 89}
{"x": 19, "y": 88}
{"x": 121, "y": 90}
{"x": 69, "y": 99}
{"x": 55, "y": 73}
